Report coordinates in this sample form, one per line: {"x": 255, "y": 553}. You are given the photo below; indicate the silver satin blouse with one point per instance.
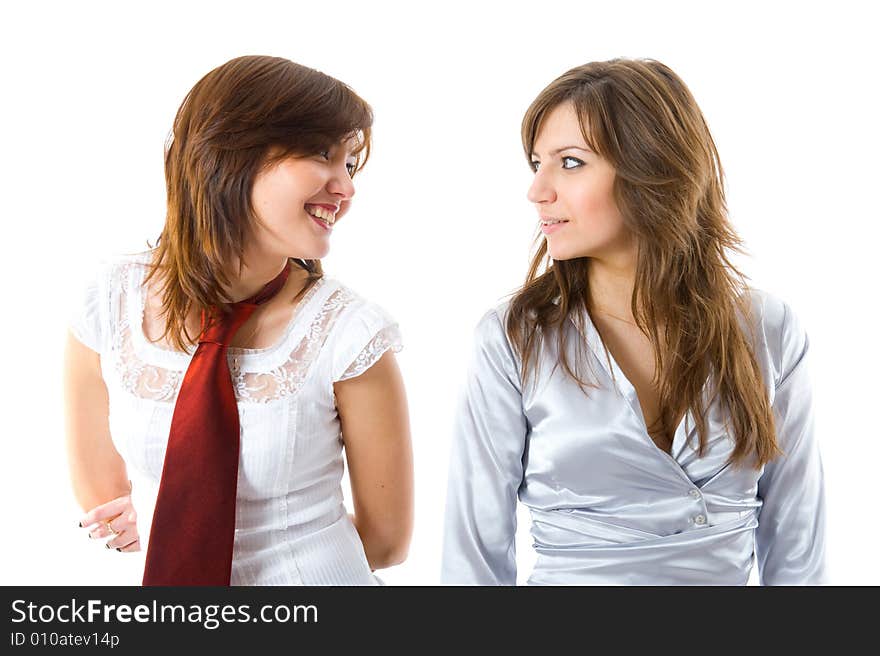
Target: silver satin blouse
{"x": 607, "y": 505}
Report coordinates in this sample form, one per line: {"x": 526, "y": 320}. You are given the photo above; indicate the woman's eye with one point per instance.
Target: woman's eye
{"x": 571, "y": 162}
{"x": 325, "y": 154}
{"x": 534, "y": 165}
{"x": 351, "y": 166}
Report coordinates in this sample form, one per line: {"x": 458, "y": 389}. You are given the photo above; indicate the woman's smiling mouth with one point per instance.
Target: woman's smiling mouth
{"x": 323, "y": 215}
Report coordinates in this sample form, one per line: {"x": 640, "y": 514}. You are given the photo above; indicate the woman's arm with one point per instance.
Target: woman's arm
{"x": 97, "y": 471}
{"x": 373, "y": 412}
{"x": 485, "y": 466}
{"x": 790, "y": 538}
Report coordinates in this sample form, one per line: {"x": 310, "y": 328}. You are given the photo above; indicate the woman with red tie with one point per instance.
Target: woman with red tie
{"x": 227, "y": 367}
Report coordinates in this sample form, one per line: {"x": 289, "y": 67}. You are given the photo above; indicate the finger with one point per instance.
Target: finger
{"x": 122, "y": 521}
{"x": 105, "y": 528}
{"x": 134, "y": 546}
{"x": 123, "y": 538}
{"x": 100, "y": 531}
{"x": 105, "y": 511}
{"x": 115, "y": 526}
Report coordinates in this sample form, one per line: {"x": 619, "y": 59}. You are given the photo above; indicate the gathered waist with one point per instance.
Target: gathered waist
{"x": 577, "y": 548}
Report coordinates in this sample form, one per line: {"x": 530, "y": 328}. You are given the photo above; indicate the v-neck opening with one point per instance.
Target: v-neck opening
{"x": 626, "y": 389}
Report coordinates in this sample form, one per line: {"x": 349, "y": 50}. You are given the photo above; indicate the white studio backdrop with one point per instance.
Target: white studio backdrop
{"x": 440, "y": 229}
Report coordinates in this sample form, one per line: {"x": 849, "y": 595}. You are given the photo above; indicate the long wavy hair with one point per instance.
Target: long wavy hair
{"x": 689, "y": 299}
{"x": 222, "y": 136}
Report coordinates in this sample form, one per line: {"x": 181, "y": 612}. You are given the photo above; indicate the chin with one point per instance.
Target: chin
{"x": 562, "y": 253}
{"x": 319, "y": 252}
{"x": 312, "y": 253}
{"x": 569, "y": 251}
{"x": 312, "y": 249}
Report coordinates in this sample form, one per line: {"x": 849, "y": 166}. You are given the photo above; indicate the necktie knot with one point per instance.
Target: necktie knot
{"x": 220, "y": 327}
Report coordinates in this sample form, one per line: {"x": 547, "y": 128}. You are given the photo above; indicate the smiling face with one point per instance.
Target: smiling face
{"x": 572, "y": 191}
{"x": 298, "y": 200}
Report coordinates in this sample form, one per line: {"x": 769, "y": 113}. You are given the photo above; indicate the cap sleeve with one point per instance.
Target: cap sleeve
{"x": 363, "y": 336}
{"x": 89, "y": 312}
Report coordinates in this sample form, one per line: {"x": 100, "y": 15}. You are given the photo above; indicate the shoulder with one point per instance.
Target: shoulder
{"x": 112, "y": 268}
{"x": 490, "y": 334}
{"x": 97, "y": 291}
{"x": 140, "y": 258}
{"x": 357, "y": 320}
{"x": 105, "y": 276}
{"x": 353, "y": 305}
{"x": 492, "y": 324}
{"x": 362, "y": 331}
{"x": 780, "y": 338}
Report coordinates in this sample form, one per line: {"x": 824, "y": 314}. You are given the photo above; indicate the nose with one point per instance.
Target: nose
{"x": 541, "y": 190}
{"x": 341, "y": 184}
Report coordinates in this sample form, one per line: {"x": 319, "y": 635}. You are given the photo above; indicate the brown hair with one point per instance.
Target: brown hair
{"x": 222, "y": 136}
{"x": 688, "y": 296}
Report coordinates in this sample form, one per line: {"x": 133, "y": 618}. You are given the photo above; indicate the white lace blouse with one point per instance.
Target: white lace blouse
{"x": 291, "y": 525}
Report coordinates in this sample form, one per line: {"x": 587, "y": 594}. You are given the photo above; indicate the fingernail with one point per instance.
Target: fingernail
{"x": 80, "y": 524}
{"x": 108, "y": 546}
{"x": 118, "y": 548}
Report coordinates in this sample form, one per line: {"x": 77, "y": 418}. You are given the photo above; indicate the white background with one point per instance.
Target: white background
{"x": 441, "y": 228}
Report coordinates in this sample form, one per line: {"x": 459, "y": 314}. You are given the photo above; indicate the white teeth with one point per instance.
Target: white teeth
{"x": 324, "y": 214}
{"x": 552, "y": 221}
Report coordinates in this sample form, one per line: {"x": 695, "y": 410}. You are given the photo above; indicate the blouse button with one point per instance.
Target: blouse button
{"x": 699, "y": 520}
{"x": 695, "y": 494}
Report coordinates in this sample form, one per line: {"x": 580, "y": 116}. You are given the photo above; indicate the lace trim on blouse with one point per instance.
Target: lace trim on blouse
{"x": 388, "y": 337}
{"x": 148, "y": 381}
{"x": 289, "y": 377}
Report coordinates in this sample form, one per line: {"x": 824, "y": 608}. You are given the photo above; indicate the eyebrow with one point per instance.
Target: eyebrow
{"x": 349, "y": 152}
{"x": 559, "y": 150}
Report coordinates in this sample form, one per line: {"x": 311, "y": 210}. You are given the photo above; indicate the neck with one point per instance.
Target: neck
{"x": 611, "y": 283}
{"x": 253, "y": 278}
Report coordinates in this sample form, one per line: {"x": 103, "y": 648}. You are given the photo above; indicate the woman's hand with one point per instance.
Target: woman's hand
{"x": 116, "y": 518}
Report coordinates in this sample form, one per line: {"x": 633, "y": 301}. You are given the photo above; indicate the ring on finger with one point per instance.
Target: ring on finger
{"x": 111, "y": 529}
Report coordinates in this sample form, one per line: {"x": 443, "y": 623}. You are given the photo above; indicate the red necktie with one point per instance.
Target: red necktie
{"x": 194, "y": 521}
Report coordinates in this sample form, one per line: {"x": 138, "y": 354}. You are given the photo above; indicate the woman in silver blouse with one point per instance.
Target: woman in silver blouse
{"x": 650, "y": 409}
